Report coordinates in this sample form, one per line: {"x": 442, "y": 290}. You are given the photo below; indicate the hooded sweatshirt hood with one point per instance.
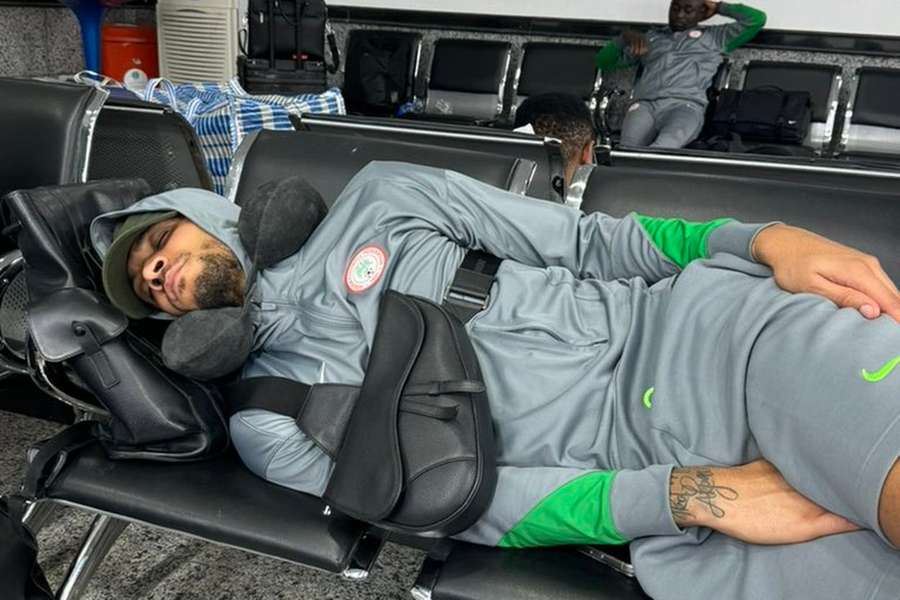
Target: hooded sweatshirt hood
{"x": 208, "y": 210}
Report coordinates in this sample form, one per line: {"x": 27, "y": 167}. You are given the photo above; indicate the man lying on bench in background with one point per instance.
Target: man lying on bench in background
{"x": 649, "y": 381}
{"x": 679, "y": 63}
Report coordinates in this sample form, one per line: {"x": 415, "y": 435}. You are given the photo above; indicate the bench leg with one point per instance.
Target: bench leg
{"x": 363, "y": 558}
{"x": 39, "y": 514}
{"x": 100, "y": 537}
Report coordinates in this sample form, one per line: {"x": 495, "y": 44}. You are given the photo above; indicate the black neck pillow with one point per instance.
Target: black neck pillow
{"x": 275, "y": 222}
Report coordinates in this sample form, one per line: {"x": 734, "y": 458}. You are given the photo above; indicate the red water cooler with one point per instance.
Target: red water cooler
{"x": 129, "y": 53}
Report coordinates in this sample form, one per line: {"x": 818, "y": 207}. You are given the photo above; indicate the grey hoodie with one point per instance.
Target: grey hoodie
{"x": 574, "y": 306}
{"x": 682, "y": 64}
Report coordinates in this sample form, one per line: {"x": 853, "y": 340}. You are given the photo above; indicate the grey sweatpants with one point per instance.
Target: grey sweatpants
{"x": 667, "y": 123}
{"x": 810, "y": 409}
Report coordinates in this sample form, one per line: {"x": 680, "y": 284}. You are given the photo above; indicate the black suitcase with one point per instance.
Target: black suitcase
{"x": 286, "y": 47}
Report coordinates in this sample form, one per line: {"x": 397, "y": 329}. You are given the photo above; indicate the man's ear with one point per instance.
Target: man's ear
{"x": 587, "y": 154}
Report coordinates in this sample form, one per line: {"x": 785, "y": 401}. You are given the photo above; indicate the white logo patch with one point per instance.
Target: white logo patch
{"x": 695, "y": 34}
{"x": 365, "y": 269}
{"x": 634, "y": 107}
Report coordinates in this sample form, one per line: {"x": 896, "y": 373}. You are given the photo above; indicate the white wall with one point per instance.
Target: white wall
{"x": 874, "y": 17}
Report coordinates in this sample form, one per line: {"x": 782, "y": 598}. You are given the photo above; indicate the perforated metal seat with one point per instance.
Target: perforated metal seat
{"x": 140, "y": 139}
{"x": 872, "y": 122}
{"x": 563, "y": 68}
{"x": 467, "y": 79}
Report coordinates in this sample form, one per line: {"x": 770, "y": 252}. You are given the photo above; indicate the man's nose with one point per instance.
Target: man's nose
{"x": 154, "y": 272}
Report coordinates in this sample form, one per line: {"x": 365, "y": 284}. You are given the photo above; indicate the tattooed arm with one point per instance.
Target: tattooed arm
{"x": 752, "y": 503}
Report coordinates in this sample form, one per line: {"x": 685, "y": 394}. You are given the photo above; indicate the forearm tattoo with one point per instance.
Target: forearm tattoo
{"x": 695, "y": 489}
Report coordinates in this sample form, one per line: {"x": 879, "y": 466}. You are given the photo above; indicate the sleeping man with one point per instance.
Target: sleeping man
{"x": 651, "y": 381}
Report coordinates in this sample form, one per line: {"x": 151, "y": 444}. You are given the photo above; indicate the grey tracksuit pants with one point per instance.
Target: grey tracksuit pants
{"x": 667, "y": 123}
{"x": 822, "y": 404}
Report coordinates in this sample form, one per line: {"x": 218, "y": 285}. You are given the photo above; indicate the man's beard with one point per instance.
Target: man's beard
{"x": 221, "y": 283}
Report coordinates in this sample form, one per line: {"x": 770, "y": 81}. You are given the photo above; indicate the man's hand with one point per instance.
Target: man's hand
{"x": 712, "y": 9}
{"x": 752, "y": 503}
{"x": 635, "y": 43}
{"x": 805, "y": 262}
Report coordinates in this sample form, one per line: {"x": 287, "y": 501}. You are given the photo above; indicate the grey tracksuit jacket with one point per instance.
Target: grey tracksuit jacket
{"x": 681, "y": 64}
{"x": 562, "y": 343}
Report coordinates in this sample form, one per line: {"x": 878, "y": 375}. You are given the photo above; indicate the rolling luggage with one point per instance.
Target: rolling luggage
{"x": 286, "y": 48}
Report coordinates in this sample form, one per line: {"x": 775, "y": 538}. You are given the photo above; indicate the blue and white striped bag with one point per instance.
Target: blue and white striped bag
{"x": 222, "y": 115}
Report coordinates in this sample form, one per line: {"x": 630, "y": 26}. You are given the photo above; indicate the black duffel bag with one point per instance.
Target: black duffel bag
{"x": 765, "y": 114}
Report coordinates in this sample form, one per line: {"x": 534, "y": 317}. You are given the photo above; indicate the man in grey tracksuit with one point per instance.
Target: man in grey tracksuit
{"x": 679, "y": 63}
{"x": 607, "y": 366}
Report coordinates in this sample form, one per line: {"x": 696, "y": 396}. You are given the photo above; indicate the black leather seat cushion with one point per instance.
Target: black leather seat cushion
{"x": 218, "y": 500}
{"x": 329, "y": 161}
{"x": 468, "y": 66}
{"x": 860, "y": 211}
{"x": 815, "y": 79}
{"x": 877, "y": 98}
{"x": 565, "y": 68}
{"x": 481, "y": 573}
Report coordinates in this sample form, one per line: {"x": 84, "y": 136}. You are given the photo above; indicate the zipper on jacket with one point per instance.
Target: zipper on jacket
{"x": 323, "y": 317}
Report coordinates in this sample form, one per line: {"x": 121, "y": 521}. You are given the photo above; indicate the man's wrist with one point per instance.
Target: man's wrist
{"x": 764, "y": 245}
{"x": 696, "y": 497}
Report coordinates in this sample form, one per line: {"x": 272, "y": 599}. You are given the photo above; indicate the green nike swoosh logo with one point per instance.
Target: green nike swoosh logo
{"x": 648, "y": 397}
{"x": 882, "y": 372}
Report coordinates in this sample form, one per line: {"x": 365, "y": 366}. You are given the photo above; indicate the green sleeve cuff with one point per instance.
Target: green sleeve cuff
{"x": 576, "y": 513}
{"x": 735, "y": 238}
{"x": 679, "y": 240}
{"x": 752, "y": 20}
{"x": 608, "y": 58}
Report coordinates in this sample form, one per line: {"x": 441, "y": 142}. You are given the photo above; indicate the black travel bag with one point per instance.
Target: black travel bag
{"x": 379, "y": 75}
{"x": 414, "y": 445}
{"x": 21, "y": 577}
{"x": 765, "y": 114}
{"x": 286, "y": 47}
{"x": 155, "y": 414}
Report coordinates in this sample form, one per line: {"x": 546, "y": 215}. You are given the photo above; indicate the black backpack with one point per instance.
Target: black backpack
{"x": 379, "y": 71}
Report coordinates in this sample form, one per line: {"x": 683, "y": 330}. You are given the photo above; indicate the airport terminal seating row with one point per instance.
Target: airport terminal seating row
{"x": 472, "y": 81}
{"x": 221, "y": 501}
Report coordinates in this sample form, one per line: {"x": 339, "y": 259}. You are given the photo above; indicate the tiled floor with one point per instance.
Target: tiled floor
{"x": 156, "y": 565}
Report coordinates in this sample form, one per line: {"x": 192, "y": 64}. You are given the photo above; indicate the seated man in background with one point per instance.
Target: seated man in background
{"x": 566, "y": 118}
{"x": 679, "y": 63}
{"x": 639, "y": 394}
